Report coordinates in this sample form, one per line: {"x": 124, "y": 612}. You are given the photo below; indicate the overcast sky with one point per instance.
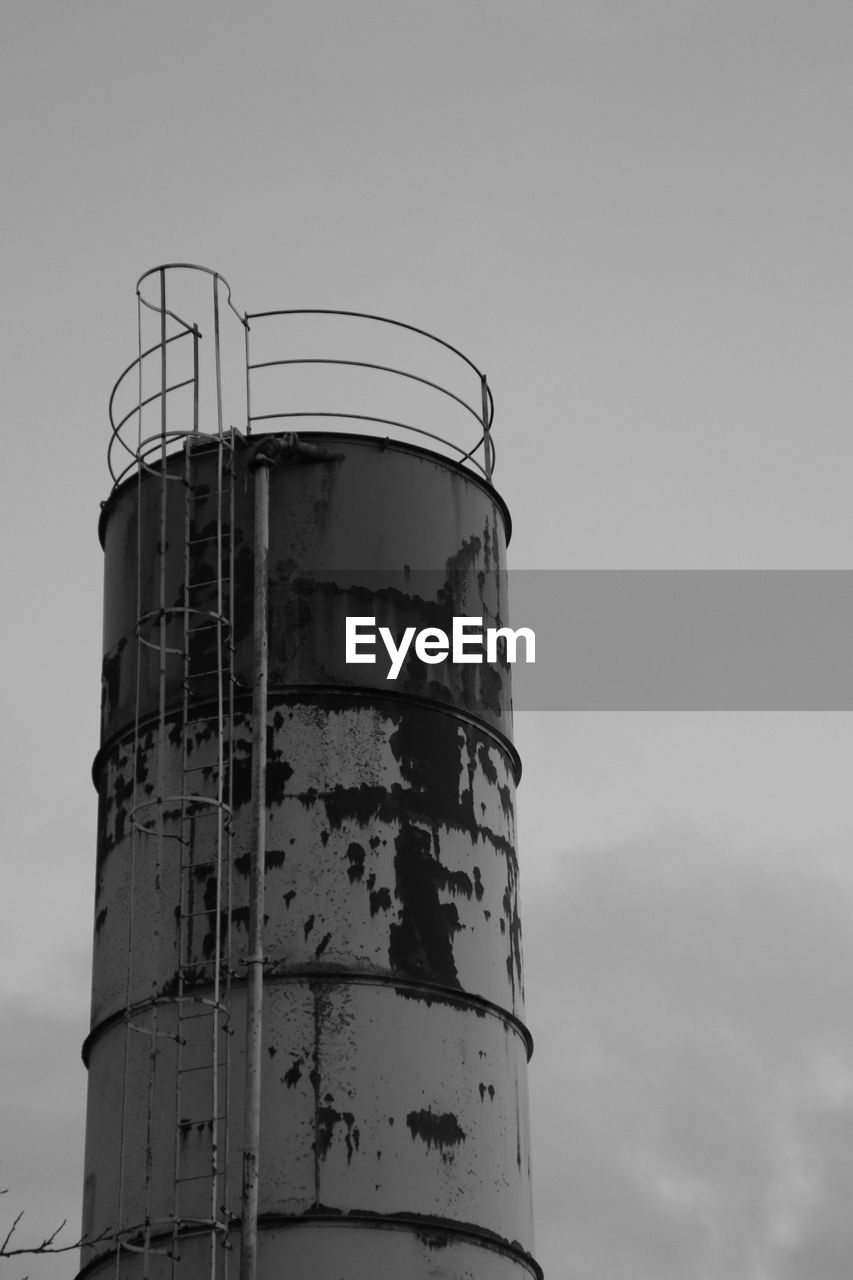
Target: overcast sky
{"x": 635, "y": 215}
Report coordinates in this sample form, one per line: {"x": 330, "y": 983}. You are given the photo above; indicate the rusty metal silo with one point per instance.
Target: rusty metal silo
{"x": 283, "y": 830}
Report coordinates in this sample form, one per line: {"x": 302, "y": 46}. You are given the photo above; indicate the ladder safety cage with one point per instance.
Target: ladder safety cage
{"x": 131, "y": 446}
{"x": 181, "y": 836}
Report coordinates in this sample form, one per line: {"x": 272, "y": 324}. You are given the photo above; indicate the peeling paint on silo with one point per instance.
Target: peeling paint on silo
{"x": 394, "y": 1127}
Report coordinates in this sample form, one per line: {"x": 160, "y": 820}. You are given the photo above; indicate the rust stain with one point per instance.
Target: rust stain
{"x": 293, "y": 1073}
{"x": 380, "y": 900}
{"x": 436, "y": 1130}
{"x": 272, "y": 858}
{"x": 111, "y": 679}
{"x": 421, "y": 944}
{"x": 355, "y": 856}
{"x": 327, "y": 1119}
{"x": 434, "y": 1240}
{"x": 490, "y": 773}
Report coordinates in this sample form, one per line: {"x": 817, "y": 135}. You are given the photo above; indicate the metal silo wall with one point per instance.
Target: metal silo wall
{"x": 394, "y": 1121}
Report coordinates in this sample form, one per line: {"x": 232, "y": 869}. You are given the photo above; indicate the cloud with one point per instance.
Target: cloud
{"x": 690, "y": 1079}
{"x": 44, "y": 1098}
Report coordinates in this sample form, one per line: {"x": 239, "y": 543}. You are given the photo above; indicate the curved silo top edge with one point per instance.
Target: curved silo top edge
{"x": 382, "y": 443}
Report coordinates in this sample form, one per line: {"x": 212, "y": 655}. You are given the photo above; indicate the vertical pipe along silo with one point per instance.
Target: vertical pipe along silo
{"x": 283, "y": 829}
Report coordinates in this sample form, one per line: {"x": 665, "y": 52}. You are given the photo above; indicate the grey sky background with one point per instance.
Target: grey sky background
{"x": 635, "y": 215}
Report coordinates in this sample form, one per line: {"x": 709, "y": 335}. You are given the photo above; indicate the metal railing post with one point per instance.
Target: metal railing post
{"x": 248, "y": 376}
{"x": 487, "y": 439}
{"x": 255, "y": 958}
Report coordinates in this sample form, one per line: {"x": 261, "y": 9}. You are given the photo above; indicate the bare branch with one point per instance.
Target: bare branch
{"x": 9, "y": 1234}
{"x": 48, "y": 1244}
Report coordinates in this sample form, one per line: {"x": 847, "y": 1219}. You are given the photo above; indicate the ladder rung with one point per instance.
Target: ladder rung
{"x": 222, "y": 535}
{"x": 227, "y": 650}
{"x": 194, "y": 1017}
{"x": 225, "y": 564}
{"x": 227, "y": 678}
{"x": 208, "y": 622}
{"x": 207, "y": 627}
{"x": 143, "y": 1248}
{"x": 208, "y": 1009}
{"x": 205, "y": 582}
{"x": 210, "y": 493}
{"x": 185, "y": 1071}
{"x": 214, "y": 715}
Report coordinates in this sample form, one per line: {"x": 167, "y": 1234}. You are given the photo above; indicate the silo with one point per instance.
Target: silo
{"x": 307, "y": 1054}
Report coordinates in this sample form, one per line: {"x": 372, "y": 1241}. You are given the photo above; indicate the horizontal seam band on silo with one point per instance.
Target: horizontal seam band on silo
{"x": 414, "y": 1223}
{"x": 407, "y": 987}
{"x": 302, "y": 694}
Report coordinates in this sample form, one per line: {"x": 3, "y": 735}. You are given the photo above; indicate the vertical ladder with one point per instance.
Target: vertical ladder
{"x": 204, "y": 908}
{"x": 172, "y": 1194}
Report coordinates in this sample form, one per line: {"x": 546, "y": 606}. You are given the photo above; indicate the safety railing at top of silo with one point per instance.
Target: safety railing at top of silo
{"x": 480, "y": 455}
{"x": 146, "y": 450}
{"x": 149, "y": 384}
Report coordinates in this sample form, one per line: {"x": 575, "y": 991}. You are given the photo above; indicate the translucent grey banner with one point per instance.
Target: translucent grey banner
{"x": 649, "y": 640}
{"x": 715, "y": 640}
